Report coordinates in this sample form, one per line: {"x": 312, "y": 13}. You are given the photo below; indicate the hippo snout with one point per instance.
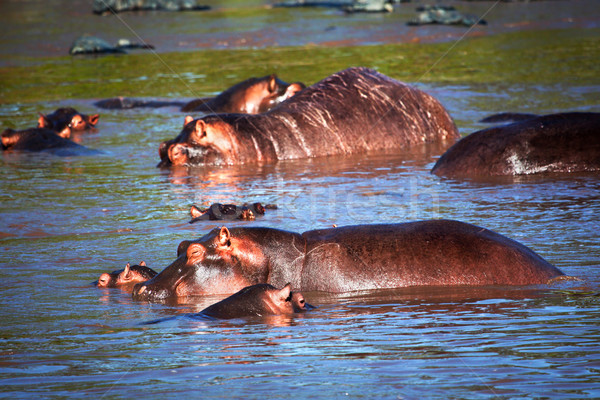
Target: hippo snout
{"x": 143, "y": 292}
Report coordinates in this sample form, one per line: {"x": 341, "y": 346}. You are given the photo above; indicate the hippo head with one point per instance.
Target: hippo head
{"x": 208, "y": 140}
{"x": 126, "y": 277}
{"x": 270, "y": 93}
{"x": 64, "y": 121}
{"x": 217, "y": 263}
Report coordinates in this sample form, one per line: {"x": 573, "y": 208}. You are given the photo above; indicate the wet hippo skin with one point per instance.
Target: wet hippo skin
{"x": 353, "y": 111}
{"x": 256, "y": 301}
{"x": 127, "y": 277}
{"x": 362, "y": 257}
{"x": 42, "y": 140}
{"x": 565, "y": 142}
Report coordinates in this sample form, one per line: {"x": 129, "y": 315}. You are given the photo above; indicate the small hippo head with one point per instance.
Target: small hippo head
{"x": 217, "y": 263}
{"x": 127, "y": 277}
{"x": 270, "y": 93}
{"x": 208, "y": 140}
{"x": 258, "y": 300}
{"x": 66, "y": 120}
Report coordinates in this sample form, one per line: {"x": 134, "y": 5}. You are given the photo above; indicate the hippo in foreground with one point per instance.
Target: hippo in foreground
{"x": 565, "y": 142}
{"x": 353, "y": 111}
{"x": 351, "y": 258}
{"x": 127, "y": 277}
{"x": 42, "y": 140}
{"x": 257, "y": 301}
{"x": 252, "y": 96}
{"x": 67, "y": 120}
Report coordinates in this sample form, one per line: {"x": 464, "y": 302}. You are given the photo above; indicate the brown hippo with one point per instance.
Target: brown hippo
{"x": 353, "y": 111}
{"x": 257, "y": 301}
{"x": 65, "y": 121}
{"x": 362, "y": 257}
{"x": 42, "y": 140}
{"x": 252, "y": 96}
{"x": 566, "y": 142}
{"x": 218, "y": 211}
{"x": 126, "y": 278}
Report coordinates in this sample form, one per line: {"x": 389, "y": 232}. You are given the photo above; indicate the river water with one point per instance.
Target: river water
{"x": 64, "y": 221}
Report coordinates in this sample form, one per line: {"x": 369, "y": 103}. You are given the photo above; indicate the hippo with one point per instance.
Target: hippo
{"x": 505, "y": 117}
{"x": 252, "y": 96}
{"x": 117, "y": 6}
{"x": 65, "y": 121}
{"x": 356, "y": 110}
{"x": 42, "y": 140}
{"x": 126, "y": 278}
{"x": 257, "y": 300}
{"x": 219, "y": 211}
{"x": 554, "y": 143}
{"x": 345, "y": 259}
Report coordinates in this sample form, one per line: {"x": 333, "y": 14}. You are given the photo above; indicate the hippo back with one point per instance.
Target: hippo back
{"x": 565, "y": 142}
{"x": 436, "y": 252}
{"x": 358, "y": 110}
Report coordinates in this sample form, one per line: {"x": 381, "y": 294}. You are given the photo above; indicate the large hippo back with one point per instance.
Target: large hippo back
{"x": 357, "y": 110}
{"x": 565, "y": 142}
{"x": 436, "y": 252}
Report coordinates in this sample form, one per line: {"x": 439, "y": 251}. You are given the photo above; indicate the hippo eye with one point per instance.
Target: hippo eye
{"x": 302, "y": 301}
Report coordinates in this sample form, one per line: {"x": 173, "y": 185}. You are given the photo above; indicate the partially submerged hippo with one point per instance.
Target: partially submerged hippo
{"x": 87, "y": 44}
{"x": 127, "y": 277}
{"x": 353, "y": 111}
{"x": 42, "y": 140}
{"x": 64, "y": 121}
{"x": 257, "y": 301}
{"x": 218, "y": 211}
{"x": 566, "y": 142}
{"x": 252, "y": 96}
{"x": 362, "y": 257}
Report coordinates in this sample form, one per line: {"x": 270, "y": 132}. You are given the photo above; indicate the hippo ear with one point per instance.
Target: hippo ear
{"x": 93, "y": 119}
{"x": 43, "y": 121}
{"x": 187, "y": 120}
{"x": 200, "y": 128}
{"x": 224, "y": 237}
{"x": 142, "y": 263}
{"x": 195, "y": 253}
{"x": 126, "y": 275}
{"x": 272, "y": 83}
{"x": 195, "y": 212}
{"x": 285, "y": 294}
{"x": 182, "y": 247}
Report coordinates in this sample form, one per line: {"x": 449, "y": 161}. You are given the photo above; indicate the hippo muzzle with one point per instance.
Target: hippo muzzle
{"x": 186, "y": 154}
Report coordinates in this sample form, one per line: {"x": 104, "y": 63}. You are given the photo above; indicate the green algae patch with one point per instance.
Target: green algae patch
{"x": 526, "y": 57}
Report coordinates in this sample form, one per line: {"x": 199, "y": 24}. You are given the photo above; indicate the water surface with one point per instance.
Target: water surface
{"x": 64, "y": 221}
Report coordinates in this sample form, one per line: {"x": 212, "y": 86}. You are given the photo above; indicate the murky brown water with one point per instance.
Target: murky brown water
{"x": 66, "y": 220}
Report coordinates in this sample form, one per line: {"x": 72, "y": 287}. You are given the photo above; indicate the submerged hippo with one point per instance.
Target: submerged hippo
{"x": 257, "y": 301}
{"x": 42, "y": 140}
{"x": 126, "y": 278}
{"x": 252, "y": 96}
{"x": 218, "y": 211}
{"x": 566, "y": 142}
{"x": 362, "y": 257}
{"x": 353, "y": 111}
{"x": 65, "y": 121}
